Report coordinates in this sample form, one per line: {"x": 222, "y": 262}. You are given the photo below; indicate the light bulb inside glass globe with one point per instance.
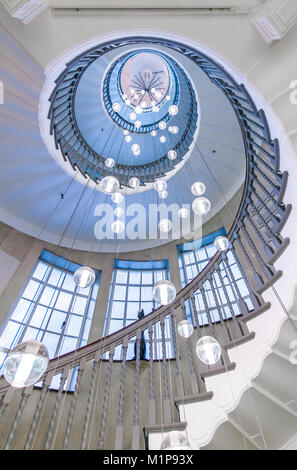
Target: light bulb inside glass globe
{"x": 221, "y": 243}
{"x": 173, "y": 110}
{"x": 128, "y": 138}
{"x": 160, "y": 185}
{"x": 117, "y": 197}
{"x": 138, "y": 110}
{"x": 134, "y": 182}
{"x": 183, "y": 213}
{"x": 163, "y": 194}
{"x": 173, "y": 129}
{"x": 137, "y": 124}
{"x": 175, "y": 440}
{"x": 117, "y": 226}
{"x": 136, "y": 153}
{"x": 167, "y": 97}
{"x": 162, "y": 125}
{"x": 143, "y": 104}
{"x": 25, "y": 364}
{"x": 208, "y": 350}
{"x": 162, "y": 139}
{"x": 125, "y": 132}
{"x": 201, "y": 205}
{"x": 153, "y": 133}
{"x": 84, "y": 277}
{"x": 118, "y": 212}
{"x": 132, "y": 116}
{"x": 165, "y": 225}
{"x": 172, "y": 154}
{"x": 127, "y": 102}
{"x": 185, "y": 328}
{"x": 109, "y": 184}
{"x": 164, "y": 292}
{"x": 155, "y": 109}
{"x": 198, "y": 188}
{"x": 109, "y": 162}
{"x": 135, "y": 148}
{"x": 116, "y": 107}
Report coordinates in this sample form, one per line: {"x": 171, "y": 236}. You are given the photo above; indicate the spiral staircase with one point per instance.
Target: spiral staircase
{"x": 237, "y": 403}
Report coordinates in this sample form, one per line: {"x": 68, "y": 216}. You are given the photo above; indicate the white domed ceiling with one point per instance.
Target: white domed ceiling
{"x": 208, "y": 144}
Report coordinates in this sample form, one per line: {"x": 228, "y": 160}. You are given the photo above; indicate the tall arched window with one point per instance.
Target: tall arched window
{"x": 193, "y": 257}
{"x": 131, "y": 291}
{"x": 51, "y": 308}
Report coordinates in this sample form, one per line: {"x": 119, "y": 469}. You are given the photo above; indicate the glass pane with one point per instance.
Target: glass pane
{"x": 22, "y": 310}
{"x": 51, "y": 342}
{"x": 115, "y": 325}
{"x": 74, "y": 325}
{"x": 146, "y": 293}
{"x": 63, "y": 301}
{"x": 41, "y": 271}
{"x": 11, "y": 334}
{"x": 56, "y": 322}
{"x": 133, "y": 293}
{"x": 68, "y": 283}
{"x": 31, "y": 290}
{"x": 79, "y": 305}
{"x": 132, "y": 310}
{"x": 48, "y": 296}
{"x": 147, "y": 277}
{"x": 121, "y": 277}
{"x": 135, "y": 277}
{"x": 119, "y": 292}
{"x": 68, "y": 344}
{"x": 56, "y": 278}
{"x": 32, "y": 333}
{"x": 40, "y": 317}
{"x": 117, "y": 309}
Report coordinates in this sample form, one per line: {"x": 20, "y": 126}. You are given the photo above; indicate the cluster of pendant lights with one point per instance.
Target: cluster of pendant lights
{"x": 27, "y": 362}
{"x": 135, "y": 148}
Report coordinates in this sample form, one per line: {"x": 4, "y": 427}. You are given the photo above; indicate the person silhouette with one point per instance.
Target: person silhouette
{"x": 142, "y": 342}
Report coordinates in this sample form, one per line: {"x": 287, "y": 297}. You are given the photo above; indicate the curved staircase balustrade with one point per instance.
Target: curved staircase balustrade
{"x": 132, "y": 399}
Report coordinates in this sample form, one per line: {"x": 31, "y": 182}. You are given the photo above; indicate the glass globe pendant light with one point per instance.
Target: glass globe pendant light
{"x": 198, "y": 188}
{"x": 172, "y": 154}
{"x": 109, "y": 184}
{"x": 163, "y": 194}
{"x": 183, "y": 213}
{"x": 84, "y": 277}
{"x": 134, "y": 182}
{"x": 162, "y": 139}
{"x": 185, "y": 328}
{"x": 137, "y": 124}
{"x": 208, "y": 350}
{"x": 132, "y": 116}
{"x": 201, "y": 205}
{"x": 138, "y": 110}
{"x": 118, "y": 212}
{"x": 117, "y": 197}
{"x": 175, "y": 440}
{"x": 173, "y": 110}
{"x": 153, "y": 133}
{"x": 162, "y": 125}
{"x": 25, "y": 364}
{"x": 128, "y": 138}
{"x": 165, "y": 225}
{"x": 116, "y": 107}
{"x": 160, "y": 185}
{"x": 164, "y": 292}
{"x": 135, "y": 148}
{"x": 109, "y": 162}
{"x": 117, "y": 226}
{"x": 221, "y": 243}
